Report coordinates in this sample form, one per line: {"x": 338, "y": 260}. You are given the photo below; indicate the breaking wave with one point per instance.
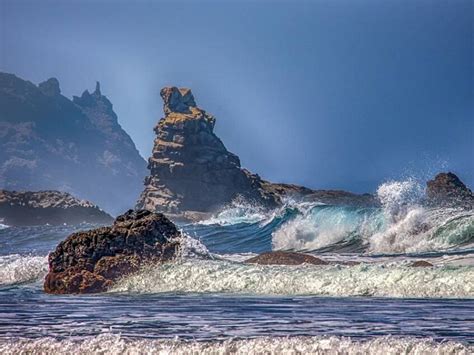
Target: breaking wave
{"x": 15, "y": 269}
{"x": 115, "y": 344}
{"x": 401, "y": 225}
{"x": 379, "y": 280}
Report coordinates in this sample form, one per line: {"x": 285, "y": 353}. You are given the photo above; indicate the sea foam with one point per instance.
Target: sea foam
{"x": 380, "y": 280}
{"x": 20, "y": 269}
{"x": 114, "y": 344}
{"x": 401, "y": 225}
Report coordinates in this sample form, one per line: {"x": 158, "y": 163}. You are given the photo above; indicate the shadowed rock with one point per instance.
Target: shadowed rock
{"x": 447, "y": 189}
{"x": 29, "y": 208}
{"x": 89, "y": 262}
{"x": 48, "y": 142}
{"x": 285, "y": 258}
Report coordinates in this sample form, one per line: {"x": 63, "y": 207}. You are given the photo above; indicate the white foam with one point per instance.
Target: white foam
{"x": 401, "y": 226}
{"x": 114, "y": 344}
{"x": 19, "y": 269}
{"x": 3, "y": 226}
{"x": 385, "y": 280}
{"x": 238, "y": 211}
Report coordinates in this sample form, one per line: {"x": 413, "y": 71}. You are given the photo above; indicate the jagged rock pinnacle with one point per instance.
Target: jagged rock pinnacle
{"x": 190, "y": 168}
{"x": 50, "y": 87}
{"x": 97, "y": 89}
{"x": 177, "y": 100}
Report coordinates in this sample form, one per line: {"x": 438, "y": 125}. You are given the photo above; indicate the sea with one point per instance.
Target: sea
{"x": 368, "y": 300}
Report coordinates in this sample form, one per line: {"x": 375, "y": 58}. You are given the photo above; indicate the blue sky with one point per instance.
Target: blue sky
{"x": 329, "y": 94}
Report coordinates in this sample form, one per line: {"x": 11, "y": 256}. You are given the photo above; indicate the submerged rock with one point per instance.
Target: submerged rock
{"x": 90, "y": 261}
{"x": 48, "y": 207}
{"x": 285, "y": 258}
{"x": 448, "y": 189}
{"x": 421, "y": 263}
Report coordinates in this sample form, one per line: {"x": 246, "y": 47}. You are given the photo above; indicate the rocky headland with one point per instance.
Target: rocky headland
{"x": 49, "y": 142}
{"x": 90, "y": 261}
{"x": 48, "y": 207}
{"x": 192, "y": 173}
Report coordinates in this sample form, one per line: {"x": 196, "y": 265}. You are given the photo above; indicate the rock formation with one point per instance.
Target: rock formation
{"x": 190, "y": 168}
{"x": 446, "y": 189}
{"x": 285, "y": 258}
{"x": 192, "y": 172}
{"x": 48, "y": 142}
{"x": 89, "y": 262}
{"x": 47, "y": 207}
{"x": 421, "y": 263}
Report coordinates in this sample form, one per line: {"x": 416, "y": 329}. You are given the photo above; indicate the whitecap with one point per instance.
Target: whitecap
{"x": 115, "y": 344}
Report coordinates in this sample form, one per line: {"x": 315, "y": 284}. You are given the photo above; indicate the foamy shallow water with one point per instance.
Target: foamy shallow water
{"x": 379, "y": 280}
{"x": 113, "y": 344}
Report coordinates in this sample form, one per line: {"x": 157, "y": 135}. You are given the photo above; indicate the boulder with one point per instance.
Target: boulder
{"x": 421, "y": 263}
{"x": 90, "y": 261}
{"x": 285, "y": 258}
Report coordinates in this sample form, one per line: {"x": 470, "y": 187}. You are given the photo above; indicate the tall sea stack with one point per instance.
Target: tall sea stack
{"x": 190, "y": 168}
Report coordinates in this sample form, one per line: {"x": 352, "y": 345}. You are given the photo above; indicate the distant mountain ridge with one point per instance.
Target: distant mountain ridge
{"x": 49, "y": 142}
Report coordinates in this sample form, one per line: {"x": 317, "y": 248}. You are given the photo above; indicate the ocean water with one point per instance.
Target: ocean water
{"x": 209, "y": 301}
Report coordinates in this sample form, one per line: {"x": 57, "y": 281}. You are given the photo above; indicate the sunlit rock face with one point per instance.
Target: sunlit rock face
{"x": 49, "y": 142}
{"x": 190, "y": 168}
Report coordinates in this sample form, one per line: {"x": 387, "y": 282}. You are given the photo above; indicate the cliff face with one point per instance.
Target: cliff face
{"x": 48, "y": 142}
{"x": 47, "y": 207}
{"x": 190, "y": 168}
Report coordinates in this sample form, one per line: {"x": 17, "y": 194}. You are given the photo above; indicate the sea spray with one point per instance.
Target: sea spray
{"x": 402, "y": 225}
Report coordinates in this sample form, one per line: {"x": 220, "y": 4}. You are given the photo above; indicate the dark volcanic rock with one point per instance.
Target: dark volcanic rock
{"x": 47, "y": 207}
{"x": 89, "y": 262}
{"x": 421, "y": 263}
{"x": 285, "y": 258}
{"x": 448, "y": 189}
{"x": 48, "y": 142}
{"x": 190, "y": 168}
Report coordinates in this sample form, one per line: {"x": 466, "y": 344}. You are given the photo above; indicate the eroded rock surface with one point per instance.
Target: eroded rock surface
{"x": 192, "y": 172}
{"x": 190, "y": 168}
{"x": 90, "y": 261}
{"x": 285, "y": 258}
{"x": 48, "y": 207}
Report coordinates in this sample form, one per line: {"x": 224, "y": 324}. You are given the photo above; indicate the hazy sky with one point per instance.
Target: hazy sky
{"x": 330, "y": 94}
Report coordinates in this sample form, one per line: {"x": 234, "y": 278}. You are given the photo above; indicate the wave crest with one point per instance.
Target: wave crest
{"x": 16, "y": 269}
{"x": 386, "y": 280}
